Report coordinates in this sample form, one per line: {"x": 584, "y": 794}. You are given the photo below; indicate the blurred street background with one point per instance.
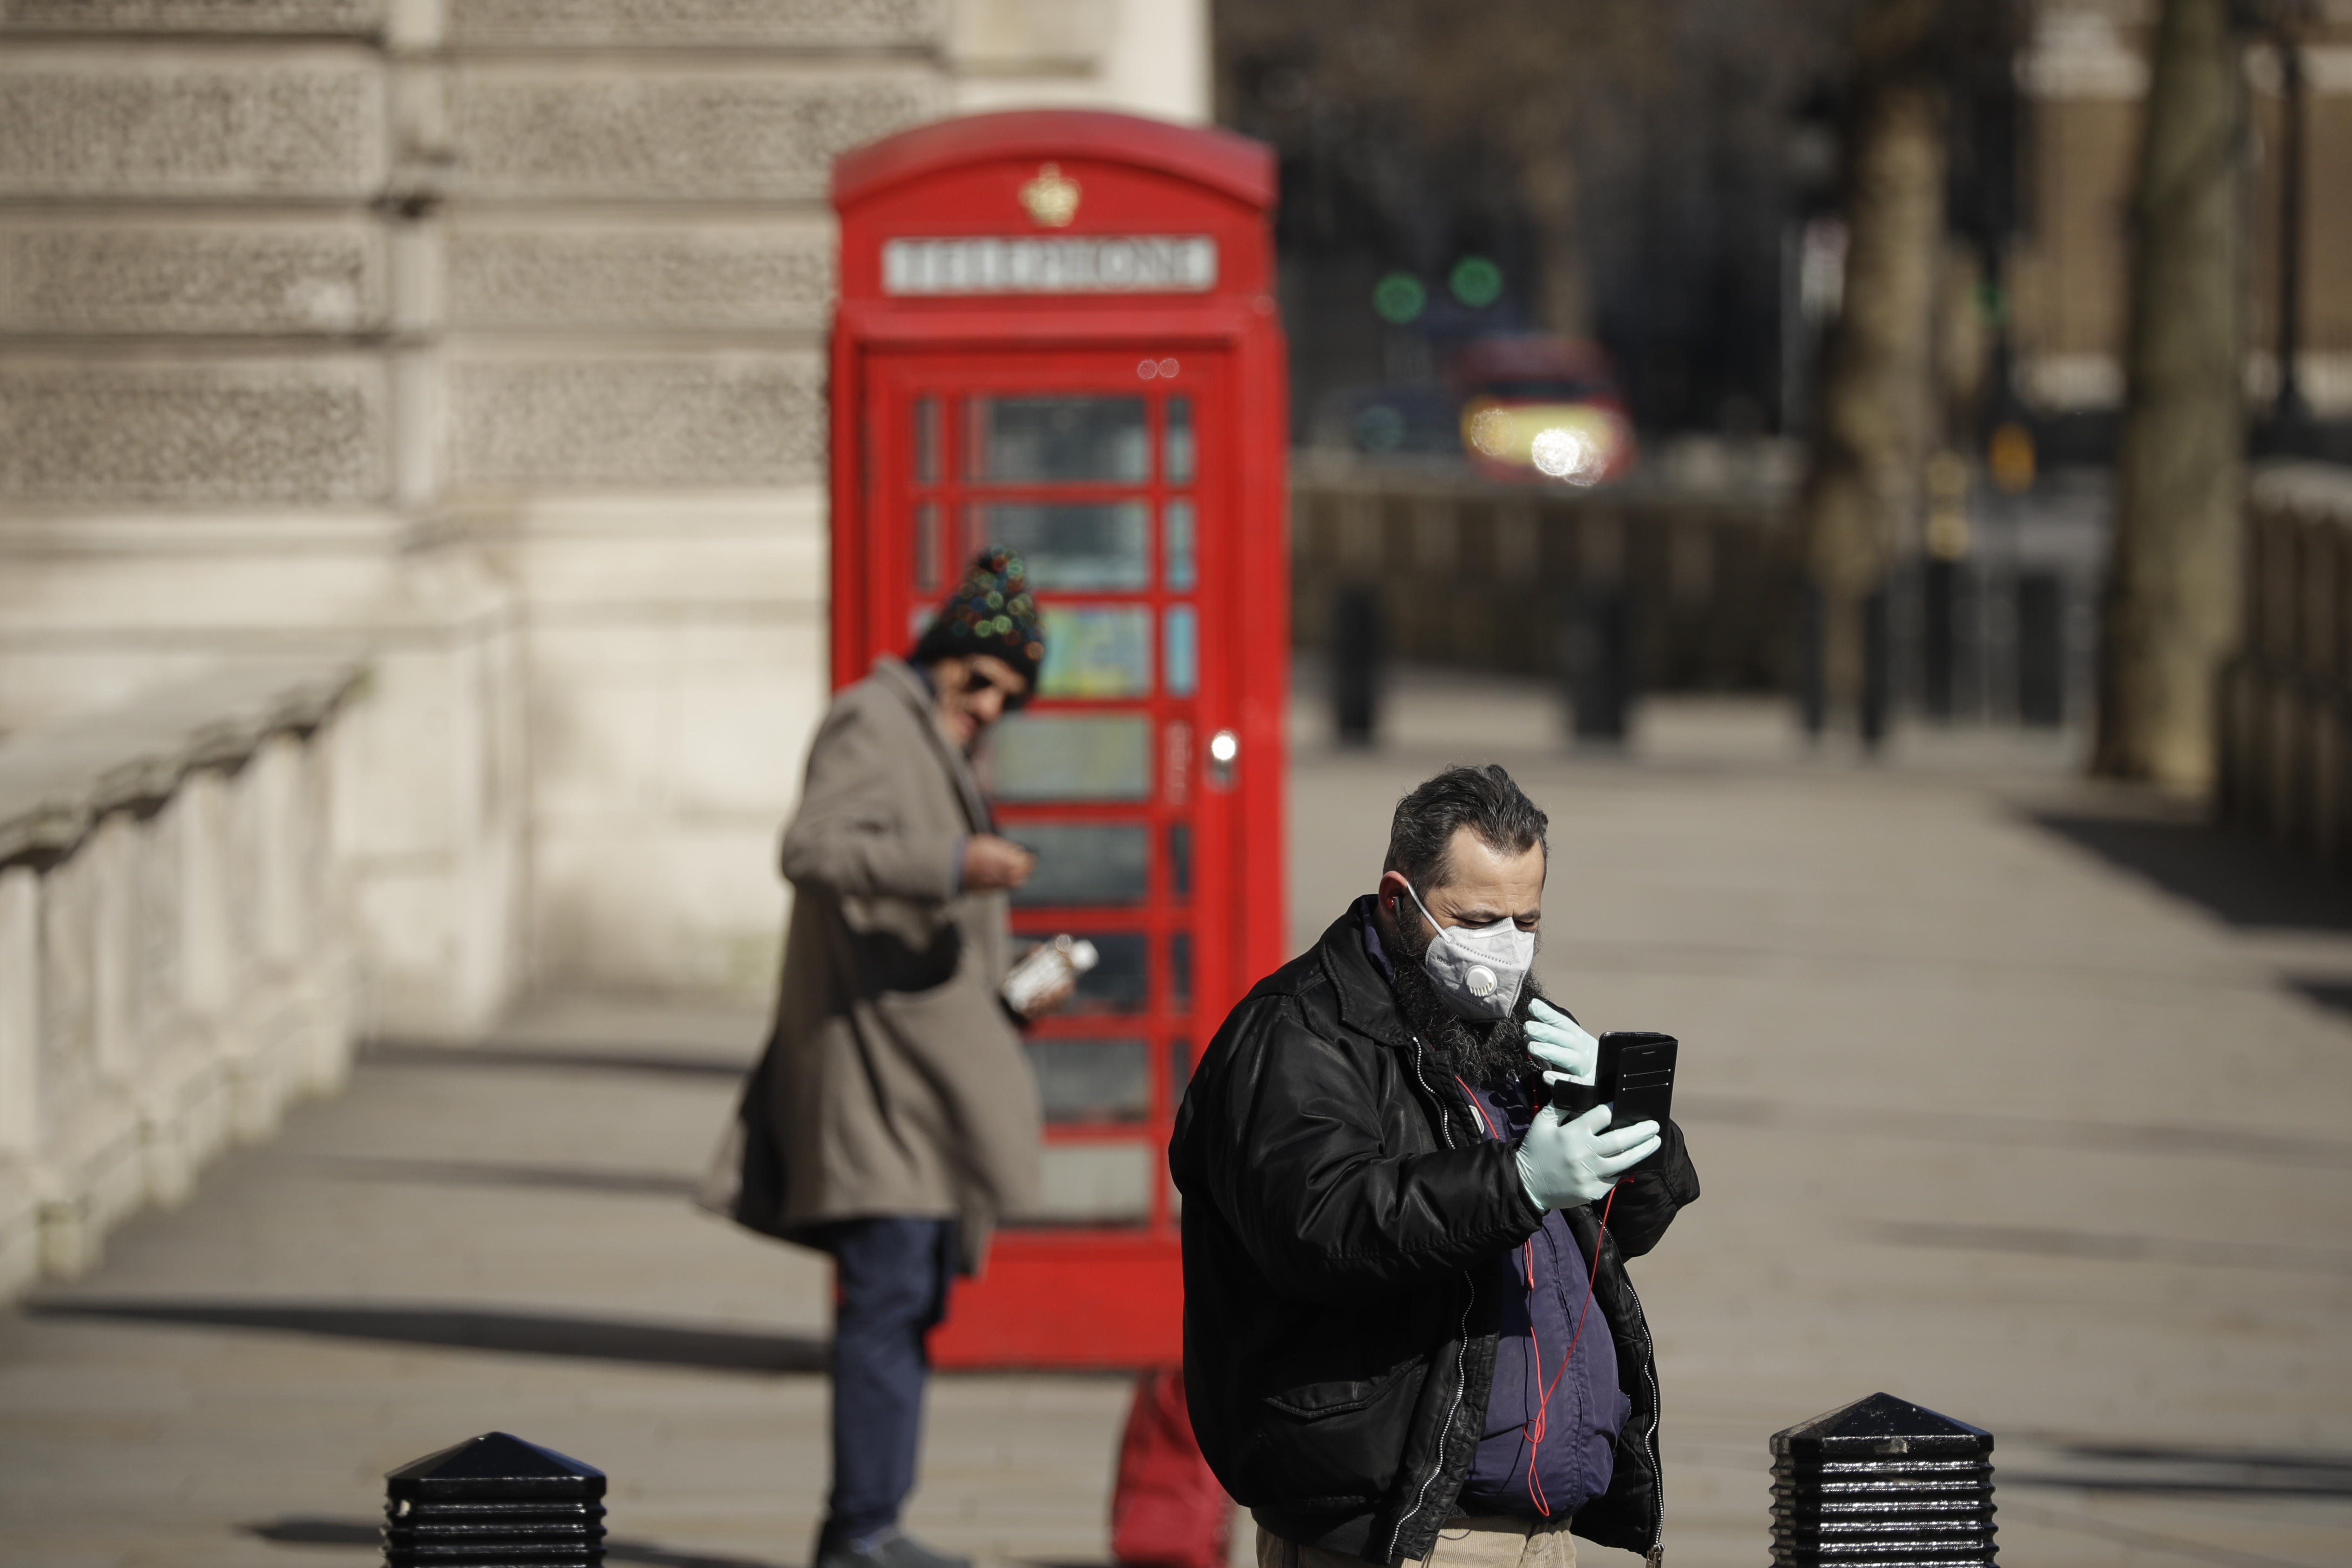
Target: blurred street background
{"x": 1879, "y": 472}
{"x": 2014, "y": 1096}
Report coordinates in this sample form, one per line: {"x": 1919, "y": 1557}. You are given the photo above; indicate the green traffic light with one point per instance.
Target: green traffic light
{"x": 1475, "y": 281}
{"x": 1399, "y": 299}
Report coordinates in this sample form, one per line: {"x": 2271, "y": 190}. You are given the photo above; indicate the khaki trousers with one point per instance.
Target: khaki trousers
{"x": 1499, "y": 1541}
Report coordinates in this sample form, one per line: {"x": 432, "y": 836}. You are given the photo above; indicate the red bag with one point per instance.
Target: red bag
{"x": 1168, "y": 1509}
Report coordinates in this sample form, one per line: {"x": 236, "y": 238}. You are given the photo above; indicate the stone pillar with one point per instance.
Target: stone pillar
{"x": 20, "y": 1081}
{"x": 280, "y": 850}
{"x": 112, "y": 855}
{"x": 20, "y": 1012}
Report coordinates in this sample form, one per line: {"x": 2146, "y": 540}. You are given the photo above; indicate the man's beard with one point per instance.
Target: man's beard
{"x": 1491, "y": 1054}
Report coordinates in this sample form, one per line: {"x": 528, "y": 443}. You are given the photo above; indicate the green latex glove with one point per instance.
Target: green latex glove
{"x": 1561, "y": 1043}
{"x": 1565, "y": 1163}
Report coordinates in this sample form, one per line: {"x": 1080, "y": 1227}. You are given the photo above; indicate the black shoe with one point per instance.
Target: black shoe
{"x": 892, "y": 1551}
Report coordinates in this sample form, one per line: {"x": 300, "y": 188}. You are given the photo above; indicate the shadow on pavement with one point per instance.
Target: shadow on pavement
{"x": 2149, "y": 1470}
{"x": 2028, "y": 1132}
{"x": 467, "y": 1328}
{"x": 2048, "y": 1242}
{"x": 2240, "y": 881}
{"x": 484, "y": 1173}
{"x": 2336, "y": 995}
{"x": 552, "y": 1059}
{"x": 300, "y": 1530}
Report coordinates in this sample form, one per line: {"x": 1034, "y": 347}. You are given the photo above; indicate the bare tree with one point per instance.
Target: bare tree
{"x": 1871, "y": 422}
{"x": 1538, "y": 144}
{"x": 1497, "y": 85}
{"x": 2173, "y": 604}
{"x": 1627, "y": 158}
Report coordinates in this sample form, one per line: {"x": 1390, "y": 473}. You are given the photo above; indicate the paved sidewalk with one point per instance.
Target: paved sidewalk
{"x": 2016, "y": 1098}
{"x": 2013, "y": 1098}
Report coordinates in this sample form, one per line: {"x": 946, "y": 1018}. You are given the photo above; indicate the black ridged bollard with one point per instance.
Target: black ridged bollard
{"x": 1940, "y": 613}
{"x": 1877, "y": 666}
{"x": 494, "y": 1502}
{"x": 1882, "y": 1483}
{"x": 1812, "y": 679}
{"x": 1598, "y": 641}
{"x": 2042, "y": 649}
{"x": 1356, "y": 663}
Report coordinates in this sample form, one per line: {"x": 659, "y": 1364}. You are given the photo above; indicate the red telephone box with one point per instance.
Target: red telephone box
{"x": 1056, "y": 332}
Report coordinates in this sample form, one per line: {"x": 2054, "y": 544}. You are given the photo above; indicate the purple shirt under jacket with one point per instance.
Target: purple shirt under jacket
{"x": 1586, "y": 1409}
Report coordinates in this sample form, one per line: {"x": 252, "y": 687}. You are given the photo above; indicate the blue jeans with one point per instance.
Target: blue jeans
{"x": 891, "y": 1289}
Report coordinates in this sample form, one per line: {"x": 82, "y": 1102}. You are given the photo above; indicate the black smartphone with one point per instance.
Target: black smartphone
{"x": 1634, "y": 1077}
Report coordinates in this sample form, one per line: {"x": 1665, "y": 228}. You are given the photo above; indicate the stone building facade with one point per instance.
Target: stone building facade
{"x": 2085, "y": 75}
{"x": 482, "y": 340}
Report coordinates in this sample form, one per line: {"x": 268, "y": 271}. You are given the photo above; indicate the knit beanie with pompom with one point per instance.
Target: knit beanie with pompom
{"x": 990, "y": 612}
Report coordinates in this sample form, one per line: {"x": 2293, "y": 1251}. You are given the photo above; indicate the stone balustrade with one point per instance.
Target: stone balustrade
{"x": 175, "y": 956}
{"x": 2284, "y": 763}
{"x": 1474, "y": 573}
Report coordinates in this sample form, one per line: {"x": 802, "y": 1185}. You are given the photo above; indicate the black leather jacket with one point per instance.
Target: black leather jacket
{"x": 1342, "y": 1214}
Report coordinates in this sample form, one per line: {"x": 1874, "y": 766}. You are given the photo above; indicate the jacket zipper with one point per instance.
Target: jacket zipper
{"x": 1462, "y": 1336}
{"x": 1656, "y": 1555}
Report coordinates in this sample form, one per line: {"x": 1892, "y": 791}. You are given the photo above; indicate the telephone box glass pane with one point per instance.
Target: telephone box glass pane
{"x": 1097, "y": 652}
{"x": 1183, "y": 572}
{"x": 1120, "y": 981}
{"x": 1096, "y": 1183}
{"x": 1179, "y": 1070}
{"x": 1179, "y": 860}
{"x": 1079, "y": 546}
{"x": 1181, "y": 665}
{"x": 927, "y": 441}
{"x": 1179, "y": 466}
{"x": 1093, "y": 1079}
{"x": 1044, "y": 440}
{"x": 1179, "y": 970}
{"x": 1083, "y": 864}
{"x": 1066, "y": 756}
{"x": 1176, "y": 785}
{"x": 930, "y": 548}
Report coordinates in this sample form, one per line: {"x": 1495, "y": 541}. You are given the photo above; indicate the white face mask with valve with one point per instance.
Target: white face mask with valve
{"x": 1477, "y": 969}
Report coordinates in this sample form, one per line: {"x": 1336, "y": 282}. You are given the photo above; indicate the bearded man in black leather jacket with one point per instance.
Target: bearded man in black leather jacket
{"x": 1406, "y": 1335}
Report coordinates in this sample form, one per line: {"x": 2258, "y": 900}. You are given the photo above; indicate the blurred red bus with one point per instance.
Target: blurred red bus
{"x": 1541, "y": 407}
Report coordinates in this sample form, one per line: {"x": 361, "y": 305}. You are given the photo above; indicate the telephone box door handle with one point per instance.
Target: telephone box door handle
{"x": 1224, "y": 751}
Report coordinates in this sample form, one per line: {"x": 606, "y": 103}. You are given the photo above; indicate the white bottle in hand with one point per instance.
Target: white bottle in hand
{"x": 1048, "y": 966}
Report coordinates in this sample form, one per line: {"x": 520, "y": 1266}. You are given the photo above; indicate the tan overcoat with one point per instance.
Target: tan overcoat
{"x": 894, "y": 1080}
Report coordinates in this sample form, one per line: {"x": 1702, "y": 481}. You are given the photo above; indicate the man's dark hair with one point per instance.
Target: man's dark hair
{"x": 1483, "y": 799}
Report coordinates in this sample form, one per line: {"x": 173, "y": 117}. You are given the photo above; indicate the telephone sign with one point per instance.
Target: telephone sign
{"x": 1055, "y": 332}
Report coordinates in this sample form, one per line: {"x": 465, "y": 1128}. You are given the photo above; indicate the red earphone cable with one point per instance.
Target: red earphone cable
{"x": 1541, "y": 1423}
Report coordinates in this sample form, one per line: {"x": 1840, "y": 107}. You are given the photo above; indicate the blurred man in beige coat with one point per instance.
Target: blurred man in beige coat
{"x": 894, "y": 1119}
